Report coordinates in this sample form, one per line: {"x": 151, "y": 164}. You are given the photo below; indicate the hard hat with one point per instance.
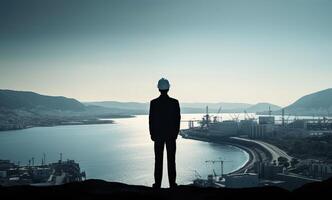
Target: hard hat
{"x": 163, "y": 84}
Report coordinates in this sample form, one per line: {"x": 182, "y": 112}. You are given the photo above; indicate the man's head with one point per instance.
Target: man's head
{"x": 163, "y": 86}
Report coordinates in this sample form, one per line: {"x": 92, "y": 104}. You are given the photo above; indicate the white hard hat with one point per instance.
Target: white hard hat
{"x": 163, "y": 84}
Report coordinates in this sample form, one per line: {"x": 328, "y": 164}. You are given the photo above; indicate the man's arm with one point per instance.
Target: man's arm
{"x": 177, "y": 117}
{"x": 151, "y": 118}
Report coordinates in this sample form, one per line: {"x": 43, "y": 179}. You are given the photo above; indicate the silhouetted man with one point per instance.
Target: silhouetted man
{"x": 164, "y": 124}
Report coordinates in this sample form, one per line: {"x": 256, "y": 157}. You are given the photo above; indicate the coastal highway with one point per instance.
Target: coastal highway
{"x": 259, "y": 151}
{"x": 255, "y": 154}
{"x": 275, "y": 151}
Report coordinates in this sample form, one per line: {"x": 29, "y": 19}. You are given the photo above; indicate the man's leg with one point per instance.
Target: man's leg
{"x": 171, "y": 149}
{"x": 158, "y": 164}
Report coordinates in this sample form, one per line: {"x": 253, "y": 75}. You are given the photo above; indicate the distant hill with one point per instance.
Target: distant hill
{"x": 318, "y": 103}
{"x": 121, "y": 105}
{"x": 198, "y": 107}
{"x": 29, "y": 100}
{"x": 262, "y": 107}
{"x": 20, "y": 110}
{"x": 214, "y": 107}
{"x": 185, "y": 107}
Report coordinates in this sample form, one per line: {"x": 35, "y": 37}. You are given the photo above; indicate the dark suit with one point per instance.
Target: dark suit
{"x": 164, "y": 125}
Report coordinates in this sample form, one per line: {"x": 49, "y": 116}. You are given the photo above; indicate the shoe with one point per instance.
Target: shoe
{"x": 173, "y": 185}
{"x": 155, "y": 186}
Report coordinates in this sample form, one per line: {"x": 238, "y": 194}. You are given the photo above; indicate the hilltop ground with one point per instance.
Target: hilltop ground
{"x": 97, "y": 189}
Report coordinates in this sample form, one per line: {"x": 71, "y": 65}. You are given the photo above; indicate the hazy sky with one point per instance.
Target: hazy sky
{"x": 211, "y": 51}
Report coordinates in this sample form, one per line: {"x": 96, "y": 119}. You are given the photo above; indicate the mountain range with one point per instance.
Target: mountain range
{"x": 317, "y": 103}
{"x": 32, "y": 109}
{"x": 29, "y": 100}
{"x": 190, "y": 107}
{"x": 20, "y": 109}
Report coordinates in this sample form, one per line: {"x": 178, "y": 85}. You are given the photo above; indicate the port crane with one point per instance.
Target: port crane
{"x": 235, "y": 117}
{"x": 197, "y": 175}
{"x": 205, "y": 123}
{"x": 215, "y": 118}
{"x": 247, "y": 116}
{"x": 221, "y": 165}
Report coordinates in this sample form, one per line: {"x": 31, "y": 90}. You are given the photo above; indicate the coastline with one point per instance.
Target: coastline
{"x": 73, "y": 122}
{"x": 256, "y": 153}
{"x": 76, "y": 123}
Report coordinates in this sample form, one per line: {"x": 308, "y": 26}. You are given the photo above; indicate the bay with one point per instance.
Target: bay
{"x": 121, "y": 152}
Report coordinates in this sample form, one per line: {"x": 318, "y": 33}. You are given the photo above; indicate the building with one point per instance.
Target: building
{"x": 267, "y": 170}
{"x": 322, "y": 124}
{"x": 298, "y": 124}
{"x": 6, "y": 164}
{"x": 320, "y": 170}
{"x": 46, "y": 174}
{"x": 3, "y": 174}
{"x": 261, "y": 130}
{"x": 266, "y": 120}
{"x": 264, "y": 128}
{"x": 224, "y": 128}
{"x": 245, "y": 126}
{"x": 241, "y": 180}
{"x": 315, "y": 168}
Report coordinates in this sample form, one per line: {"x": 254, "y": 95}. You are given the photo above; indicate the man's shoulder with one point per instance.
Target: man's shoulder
{"x": 174, "y": 100}
{"x": 158, "y": 99}
{"x": 154, "y": 100}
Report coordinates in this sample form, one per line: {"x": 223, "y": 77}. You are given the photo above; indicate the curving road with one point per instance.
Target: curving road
{"x": 275, "y": 151}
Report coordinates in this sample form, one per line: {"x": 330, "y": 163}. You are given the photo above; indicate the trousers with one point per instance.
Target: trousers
{"x": 171, "y": 166}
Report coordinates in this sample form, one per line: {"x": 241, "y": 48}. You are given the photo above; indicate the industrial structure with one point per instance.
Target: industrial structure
{"x": 266, "y": 169}
{"x": 263, "y": 174}
{"x": 257, "y": 127}
{"x": 57, "y": 173}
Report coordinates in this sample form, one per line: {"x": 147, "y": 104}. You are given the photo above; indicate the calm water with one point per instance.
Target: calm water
{"x": 117, "y": 152}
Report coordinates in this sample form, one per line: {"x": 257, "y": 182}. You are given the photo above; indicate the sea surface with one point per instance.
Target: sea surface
{"x": 121, "y": 152}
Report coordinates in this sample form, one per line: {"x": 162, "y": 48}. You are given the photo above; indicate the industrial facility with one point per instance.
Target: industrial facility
{"x": 269, "y": 165}
{"x": 257, "y": 127}
{"x": 57, "y": 173}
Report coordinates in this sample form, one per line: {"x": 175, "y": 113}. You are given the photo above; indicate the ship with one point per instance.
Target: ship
{"x": 214, "y": 125}
{"x": 57, "y": 173}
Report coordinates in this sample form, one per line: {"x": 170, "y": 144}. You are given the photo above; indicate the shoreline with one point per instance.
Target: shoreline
{"x": 79, "y": 122}
{"x": 61, "y": 124}
{"x": 251, "y": 149}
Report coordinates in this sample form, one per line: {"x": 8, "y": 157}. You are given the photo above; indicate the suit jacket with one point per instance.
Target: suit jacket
{"x": 164, "y": 118}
